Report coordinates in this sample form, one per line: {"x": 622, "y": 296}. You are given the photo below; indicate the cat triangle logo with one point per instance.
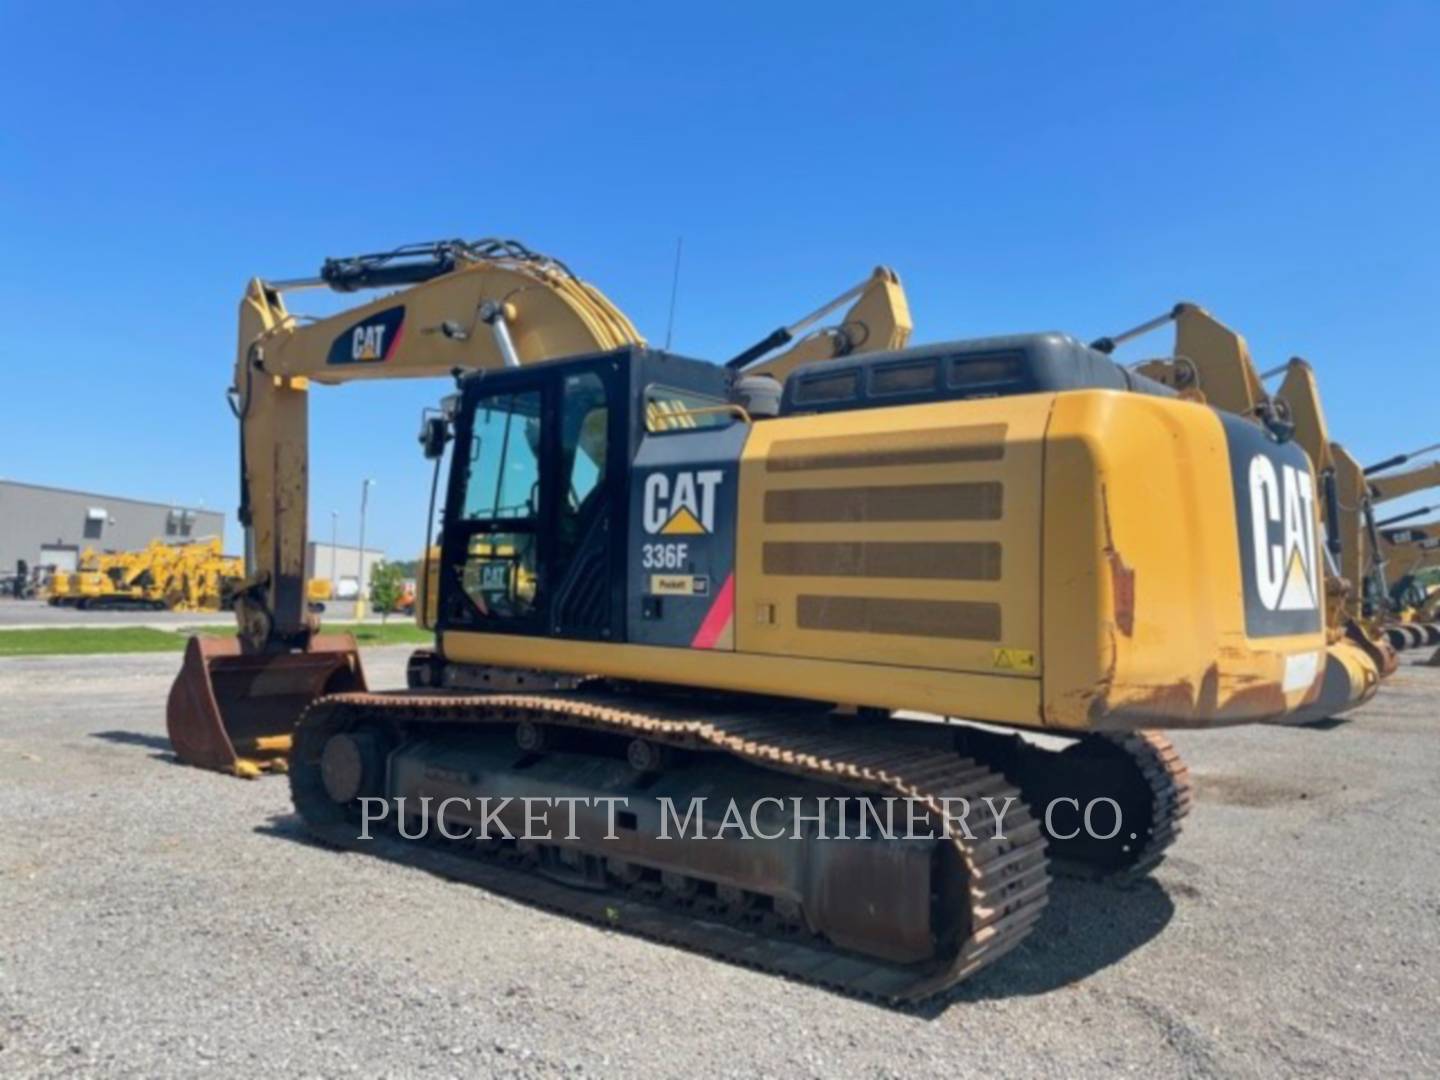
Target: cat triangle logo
{"x": 681, "y": 504}
{"x": 1296, "y": 594}
{"x": 683, "y": 523}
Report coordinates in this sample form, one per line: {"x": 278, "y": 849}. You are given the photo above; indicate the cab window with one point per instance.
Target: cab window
{"x": 504, "y": 480}
{"x": 502, "y": 490}
{"x": 668, "y": 409}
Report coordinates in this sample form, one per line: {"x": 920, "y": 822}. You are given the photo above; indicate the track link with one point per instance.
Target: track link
{"x": 1140, "y": 771}
{"x": 1007, "y": 879}
{"x": 1168, "y": 779}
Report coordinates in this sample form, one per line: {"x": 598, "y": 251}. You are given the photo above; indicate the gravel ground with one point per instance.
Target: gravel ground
{"x": 158, "y": 921}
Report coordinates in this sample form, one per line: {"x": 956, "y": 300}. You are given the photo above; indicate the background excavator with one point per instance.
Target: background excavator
{"x": 1411, "y": 610}
{"x": 1414, "y": 607}
{"x": 657, "y": 577}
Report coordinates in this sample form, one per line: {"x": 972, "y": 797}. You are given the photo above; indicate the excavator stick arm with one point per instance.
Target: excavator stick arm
{"x": 877, "y": 321}
{"x": 1395, "y": 485}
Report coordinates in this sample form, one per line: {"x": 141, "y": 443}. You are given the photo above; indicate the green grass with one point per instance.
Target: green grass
{"x": 83, "y": 641}
{"x": 399, "y": 631}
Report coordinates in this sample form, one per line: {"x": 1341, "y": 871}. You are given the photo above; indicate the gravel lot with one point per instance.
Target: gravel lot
{"x": 158, "y": 921}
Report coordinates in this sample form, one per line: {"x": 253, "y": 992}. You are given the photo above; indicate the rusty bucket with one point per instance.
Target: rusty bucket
{"x": 235, "y": 711}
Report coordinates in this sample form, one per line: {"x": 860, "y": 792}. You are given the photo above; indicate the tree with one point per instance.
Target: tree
{"x": 387, "y": 584}
{"x": 409, "y": 568}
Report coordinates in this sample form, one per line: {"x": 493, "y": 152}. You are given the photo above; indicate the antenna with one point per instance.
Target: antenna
{"x": 674, "y": 289}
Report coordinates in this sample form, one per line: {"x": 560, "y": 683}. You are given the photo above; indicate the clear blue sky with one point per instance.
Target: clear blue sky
{"x": 1023, "y": 166}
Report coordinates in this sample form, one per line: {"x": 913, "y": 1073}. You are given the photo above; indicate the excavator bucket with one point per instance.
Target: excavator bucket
{"x": 235, "y": 712}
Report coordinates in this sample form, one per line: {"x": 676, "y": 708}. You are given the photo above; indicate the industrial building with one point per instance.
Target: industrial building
{"x": 46, "y": 526}
{"x": 342, "y": 566}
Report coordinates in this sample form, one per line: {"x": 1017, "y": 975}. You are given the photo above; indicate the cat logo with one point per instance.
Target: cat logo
{"x": 682, "y": 504}
{"x": 368, "y": 343}
{"x": 372, "y": 341}
{"x": 1282, "y": 530}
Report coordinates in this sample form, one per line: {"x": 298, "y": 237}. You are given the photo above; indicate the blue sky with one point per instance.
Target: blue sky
{"x": 1023, "y": 166}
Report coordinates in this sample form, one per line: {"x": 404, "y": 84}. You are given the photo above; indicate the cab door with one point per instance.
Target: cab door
{"x": 529, "y": 543}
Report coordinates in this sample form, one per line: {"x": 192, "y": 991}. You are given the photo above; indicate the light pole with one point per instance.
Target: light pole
{"x": 364, "y": 597}
{"x": 335, "y": 554}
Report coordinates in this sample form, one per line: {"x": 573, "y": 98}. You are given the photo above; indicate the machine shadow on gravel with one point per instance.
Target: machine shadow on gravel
{"x": 136, "y": 738}
{"x": 1087, "y": 926}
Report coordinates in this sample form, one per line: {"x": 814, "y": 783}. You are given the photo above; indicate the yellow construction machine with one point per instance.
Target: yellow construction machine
{"x": 199, "y": 576}
{"x": 108, "y": 580}
{"x": 67, "y": 587}
{"x": 1402, "y": 555}
{"x": 189, "y": 576}
{"x": 87, "y": 582}
{"x": 57, "y": 589}
{"x": 659, "y": 579}
{"x": 1407, "y": 553}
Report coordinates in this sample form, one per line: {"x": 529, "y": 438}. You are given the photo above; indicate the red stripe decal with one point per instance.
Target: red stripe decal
{"x": 718, "y": 617}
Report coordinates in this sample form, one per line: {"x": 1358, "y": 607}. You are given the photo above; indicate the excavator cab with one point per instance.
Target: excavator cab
{"x": 538, "y": 504}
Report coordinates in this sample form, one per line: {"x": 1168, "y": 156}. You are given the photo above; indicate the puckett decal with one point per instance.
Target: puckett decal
{"x": 681, "y": 504}
{"x": 371, "y": 341}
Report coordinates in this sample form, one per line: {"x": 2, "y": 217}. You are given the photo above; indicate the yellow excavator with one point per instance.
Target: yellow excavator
{"x": 1410, "y": 610}
{"x": 1414, "y": 608}
{"x": 661, "y": 580}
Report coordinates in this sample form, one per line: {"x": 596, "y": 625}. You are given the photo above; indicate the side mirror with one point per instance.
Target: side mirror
{"x": 434, "y": 434}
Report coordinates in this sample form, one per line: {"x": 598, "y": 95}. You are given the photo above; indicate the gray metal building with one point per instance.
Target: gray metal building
{"x": 341, "y": 564}
{"x": 48, "y": 526}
